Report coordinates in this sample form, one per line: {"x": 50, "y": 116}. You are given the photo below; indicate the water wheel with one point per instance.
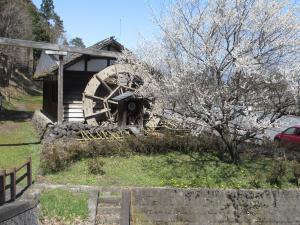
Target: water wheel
{"x": 98, "y": 103}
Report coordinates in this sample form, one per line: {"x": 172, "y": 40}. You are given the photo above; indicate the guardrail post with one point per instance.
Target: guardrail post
{"x": 2, "y": 186}
{"x": 13, "y": 185}
{"x": 29, "y": 172}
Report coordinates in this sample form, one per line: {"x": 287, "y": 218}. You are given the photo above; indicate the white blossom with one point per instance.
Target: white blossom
{"x": 232, "y": 66}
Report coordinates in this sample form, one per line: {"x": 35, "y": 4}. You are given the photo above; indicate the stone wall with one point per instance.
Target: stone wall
{"x": 41, "y": 122}
{"x": 163, "y": 206}
{"x": 50, "y": 131}
{"x": 19, "y": 213}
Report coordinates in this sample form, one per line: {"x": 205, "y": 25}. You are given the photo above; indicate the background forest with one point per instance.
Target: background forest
{"x": 21, "y": 19}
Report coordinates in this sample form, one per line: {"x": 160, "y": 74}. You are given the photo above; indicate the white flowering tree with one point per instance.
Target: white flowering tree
{"x": 229, "y": 65}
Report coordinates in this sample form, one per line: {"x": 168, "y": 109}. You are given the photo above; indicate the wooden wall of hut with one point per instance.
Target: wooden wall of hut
{"x": 50, "y": 97}
{"x": 77, "y": 73}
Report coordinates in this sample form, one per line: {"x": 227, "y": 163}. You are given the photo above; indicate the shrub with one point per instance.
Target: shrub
{"x": 277, "y": 173}
{"x": 150, "y": 144}
{"x": 95, "y": 166}
{"x": 257, "y": 180}
{"x": 296, "y": 172}
{"x": 62, "y": 152}
{"x": 268, "y": 148}
{"x": 107, "y": 148}
{"x": 166, "y": 142}
{"x": 292, "y": 152}
{"x": 57, "y": 155}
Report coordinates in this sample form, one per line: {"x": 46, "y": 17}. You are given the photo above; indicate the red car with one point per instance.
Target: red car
{"x": 290, "y": 135}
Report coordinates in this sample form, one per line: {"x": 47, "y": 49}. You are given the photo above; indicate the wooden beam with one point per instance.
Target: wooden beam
{"x": 104, "y": 83}
{"x": 111, "y": 94}
{"x": 98, "y": 113}
{"x": 56, "y": 47}
{"x": 99, "y": 98}
{"x": 60, "y": 80}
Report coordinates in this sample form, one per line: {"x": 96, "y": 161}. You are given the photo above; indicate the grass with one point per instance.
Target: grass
{"x": 175, "y": 170}
{"x": 24, "y": 103}
{"x": 18, "y": 139}
{"x": 64, "y": 205}
{"x": 27, "y": 102}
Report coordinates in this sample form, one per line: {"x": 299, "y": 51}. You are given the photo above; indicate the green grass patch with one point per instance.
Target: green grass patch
{"x": 119, "y": 171}
{"x": 64, "y": 205}
{"x": 18, "y": 138}
{"x": 25, "y": 103}
{"x": 8, "y": 105}
{"x": 175, "y": 170}
{"x": 18, "y": 141}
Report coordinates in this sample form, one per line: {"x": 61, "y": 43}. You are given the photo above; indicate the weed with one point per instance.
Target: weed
{"x": 63, "y": 205}
{"x": 277, "y": 173}
{"x": 296, "y": 172}
{"x": 257, "y": 180}
{"x": 95, "y": 166}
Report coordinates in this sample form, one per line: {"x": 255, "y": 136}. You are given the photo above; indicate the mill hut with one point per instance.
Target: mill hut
{"x": 95, "y": 89}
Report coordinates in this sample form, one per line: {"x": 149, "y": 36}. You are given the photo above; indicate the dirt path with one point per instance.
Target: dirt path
{"x": 21, "y": 109}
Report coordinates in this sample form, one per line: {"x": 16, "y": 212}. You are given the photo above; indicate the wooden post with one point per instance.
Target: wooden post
{"x": 125, "y": 207}
{"x": 2, "y": 186}
{"x": 60, "y": 103}
{"x": 13, "y": 185}
{"x": 29, "y": 172}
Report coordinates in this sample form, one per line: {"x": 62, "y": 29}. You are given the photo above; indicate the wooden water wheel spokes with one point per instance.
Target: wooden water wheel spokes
{"x": 98, "y": 105}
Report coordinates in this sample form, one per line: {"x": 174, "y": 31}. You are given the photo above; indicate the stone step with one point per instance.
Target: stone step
{"x": 111, "y": 189}
{"x": 115, "y": 200}
{"x": 111, "y": 194}
{"x": 109, "y": 207}
{"x": 108, "y": 210}
{"x": 107, "y": 220}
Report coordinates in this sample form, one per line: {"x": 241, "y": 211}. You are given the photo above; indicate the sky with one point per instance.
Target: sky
{"x": 95, "y": 20}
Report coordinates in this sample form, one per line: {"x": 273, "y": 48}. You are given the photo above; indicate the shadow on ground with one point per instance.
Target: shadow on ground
{"x": 14, "y": 115}
{"x": 20, "y": 144}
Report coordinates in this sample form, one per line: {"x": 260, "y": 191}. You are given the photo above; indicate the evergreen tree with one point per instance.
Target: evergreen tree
{"x": 55, "y": 26}
{"x": 40, "y": 27}
{"x": 47, "y": 9}
{"x": 77, "y": 42}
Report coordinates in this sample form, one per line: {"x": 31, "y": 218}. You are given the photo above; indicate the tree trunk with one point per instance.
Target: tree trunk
{"x": 234, "y": 155}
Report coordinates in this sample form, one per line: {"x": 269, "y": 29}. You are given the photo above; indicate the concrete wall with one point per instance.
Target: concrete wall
{"x": 161, "y": 206}
{"x": 19, "y": 213}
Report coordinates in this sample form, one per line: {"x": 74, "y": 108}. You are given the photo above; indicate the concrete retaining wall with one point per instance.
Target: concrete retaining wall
{"x": 19, "y": 213}
{"x": 161, "y": 206}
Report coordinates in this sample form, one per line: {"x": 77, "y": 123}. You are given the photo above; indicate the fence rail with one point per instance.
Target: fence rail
{"x": 14, "y": 180}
